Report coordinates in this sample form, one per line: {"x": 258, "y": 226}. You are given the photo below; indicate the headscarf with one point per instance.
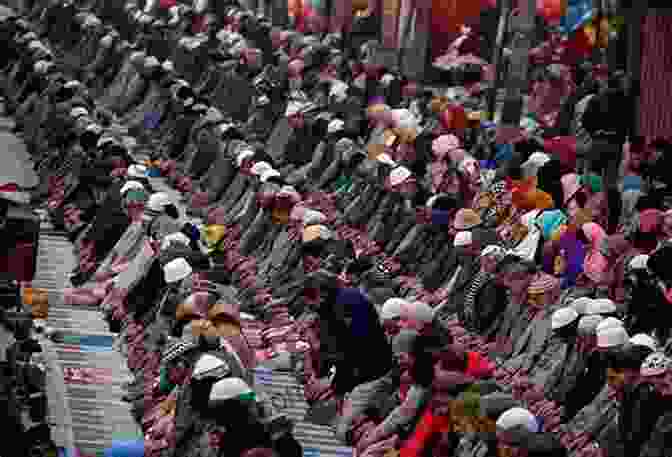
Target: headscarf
{"x": 573, "y": 253}
{"x": 595, "y": 265}
{"x": 550, "y": 222}
{"x": 527, "y": 249}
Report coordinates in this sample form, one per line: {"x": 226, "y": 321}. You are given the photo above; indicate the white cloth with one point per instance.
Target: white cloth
{"x": 527, "y": 248}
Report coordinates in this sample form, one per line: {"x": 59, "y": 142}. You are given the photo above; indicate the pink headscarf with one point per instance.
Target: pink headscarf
{"x": 595, "y": 265}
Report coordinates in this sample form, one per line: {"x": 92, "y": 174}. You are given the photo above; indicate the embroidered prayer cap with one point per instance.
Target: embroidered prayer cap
{"x": 176, "y": 270}
{"x": 656, "y": 364}
{"x": 175, "y": 349}
{"x": 563, "y": 317}
{"x": 466, "y": 219}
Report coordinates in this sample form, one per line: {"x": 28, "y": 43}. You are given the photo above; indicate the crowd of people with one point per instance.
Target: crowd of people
{"x": 446, "y": 286}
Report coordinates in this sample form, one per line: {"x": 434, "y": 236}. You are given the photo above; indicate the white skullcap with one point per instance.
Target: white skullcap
{"x": 418, "y": 311}
{"x": 136, "y": 171}
{"x": 612, "y": 337}
{"x": 260, "y": 168}
{"x": 131, "y": 185}
{"x": 392, "y": 308}
{"x": 168, "y": 65}
{"x": 335, "y": 125}
{"x": 600, "y": 306}
{"x": 399, "y": 175}
{"x": 244, "y": 154}
{"x": 563, "y": 317}
{"x": 639, "y": 262}
{"x": 78, "y": 112}
{"x": 518, "y": 417}
{"x": 609, "y": 322}
{"x": 588, "y": 324}
{"x": 177, "y": 237}
{"x": 268, "y": 174}
{"x": 158, "y": 201}
{"x": 229, "y": 388}
{"x": 642, "y": 339}
{"x": 176, "y": 270}
{"x": 386, "y": 159}
{"x": 462, "y": 239}
{"x": 581, "y": 304}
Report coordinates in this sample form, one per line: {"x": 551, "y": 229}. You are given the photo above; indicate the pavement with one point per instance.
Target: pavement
{"x": 98, "y": 414}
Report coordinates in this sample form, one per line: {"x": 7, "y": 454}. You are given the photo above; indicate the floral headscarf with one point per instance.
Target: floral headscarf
{"x": 595, "y": 265}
